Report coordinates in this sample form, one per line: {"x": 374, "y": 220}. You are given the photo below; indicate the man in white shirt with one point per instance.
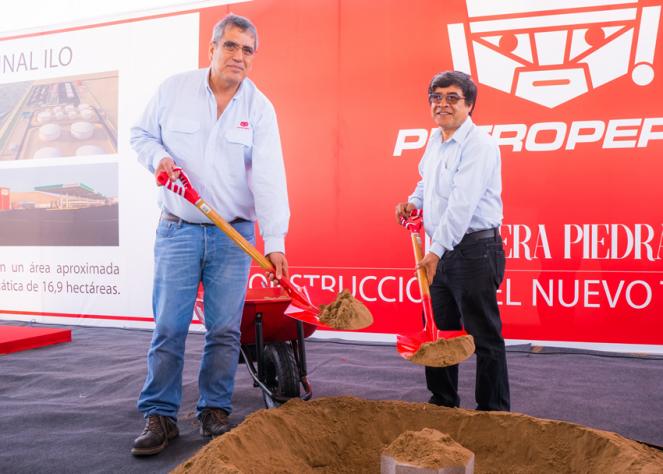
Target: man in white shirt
{"x": 460, "y": 194}
{"x": 222, "y": 131}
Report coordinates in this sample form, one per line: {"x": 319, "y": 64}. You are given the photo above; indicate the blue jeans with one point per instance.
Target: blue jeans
{"x": 184, "y": 255}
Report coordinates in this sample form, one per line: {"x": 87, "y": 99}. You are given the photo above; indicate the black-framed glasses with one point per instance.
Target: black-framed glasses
{"x": 232, "y": 47}
{"x": 452, "y": 98}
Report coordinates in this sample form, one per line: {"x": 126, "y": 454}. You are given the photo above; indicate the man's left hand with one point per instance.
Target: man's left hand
{"x": 429, "y": 263}
{"x": 280, "y": 265}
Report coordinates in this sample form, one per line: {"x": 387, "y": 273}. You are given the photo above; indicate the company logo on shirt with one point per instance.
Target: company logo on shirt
{"x": 243, "y": 124}
{"x": 552, "y": 51}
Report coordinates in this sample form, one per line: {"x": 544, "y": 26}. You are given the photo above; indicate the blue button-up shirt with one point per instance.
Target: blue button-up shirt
{"x": 461, "y": 186}
{"x": 234, "y": 161}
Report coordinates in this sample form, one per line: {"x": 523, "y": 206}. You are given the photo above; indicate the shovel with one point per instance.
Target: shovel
{"x": 301, "y": 307}
{"x": 408, "y": 345}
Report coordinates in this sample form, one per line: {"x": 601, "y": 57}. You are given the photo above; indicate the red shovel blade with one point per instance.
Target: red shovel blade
{"x": 408, "y": 345}
{"x": 304, "y": 316}
{"x": 299, "y": 296}
{"x": 301, "y": 307}
{"x": 450, "y": 334}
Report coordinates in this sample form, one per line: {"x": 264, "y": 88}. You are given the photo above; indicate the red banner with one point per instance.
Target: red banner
{"x": 567, "y": 88}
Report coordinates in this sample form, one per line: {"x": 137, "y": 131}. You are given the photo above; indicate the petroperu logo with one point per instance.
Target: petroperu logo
{"x": 552, "y": 51}
{"x": 549, "y": 52}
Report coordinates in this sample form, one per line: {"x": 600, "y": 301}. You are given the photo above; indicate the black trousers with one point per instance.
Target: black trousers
{"x": 464, "y": 292}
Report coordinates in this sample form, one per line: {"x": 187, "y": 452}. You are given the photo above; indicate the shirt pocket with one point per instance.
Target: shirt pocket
{"x": 182, "y": 138}
{"x": 447, "y": 172}
{"x": 238, "y": 143}
{"x": 443, "y": 182}
{"x": 240, "y": 136}
{"x": 182, "y": 125}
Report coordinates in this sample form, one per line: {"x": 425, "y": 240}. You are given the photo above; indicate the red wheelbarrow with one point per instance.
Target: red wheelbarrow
{"x": 272, "y": 345}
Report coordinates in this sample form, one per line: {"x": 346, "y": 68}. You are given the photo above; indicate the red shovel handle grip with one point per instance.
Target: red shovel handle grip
{"x": 414, "y": 222}
{"x": 185, "y": 189}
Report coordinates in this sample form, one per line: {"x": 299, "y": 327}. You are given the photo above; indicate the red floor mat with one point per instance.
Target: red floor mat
{"x": 21, "y": 338}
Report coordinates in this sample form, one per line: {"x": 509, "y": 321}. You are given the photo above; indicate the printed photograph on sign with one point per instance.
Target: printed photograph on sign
{"x": 59, "y": 206}
{"x": 59, "y": 118}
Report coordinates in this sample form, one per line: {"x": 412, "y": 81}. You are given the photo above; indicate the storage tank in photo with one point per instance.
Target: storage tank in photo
{"x": 4, "y": 199}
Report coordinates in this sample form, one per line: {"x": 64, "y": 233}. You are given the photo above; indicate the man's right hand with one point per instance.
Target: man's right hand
{"x": 280, "y": 264}
{"x": 167, "y": 164}
{"x": 403, "y": 210}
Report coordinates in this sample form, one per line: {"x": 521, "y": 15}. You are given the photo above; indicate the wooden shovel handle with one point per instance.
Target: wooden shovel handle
{"x": 422, "y": 277}
{"x": 424, "y": 287}
{"x": 235, "y": 236}
{"x": 294, "y": 292}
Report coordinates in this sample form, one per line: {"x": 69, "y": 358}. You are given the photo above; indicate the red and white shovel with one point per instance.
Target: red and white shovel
{"x": 408, "y": 345}
{"x": 301, "y": 307}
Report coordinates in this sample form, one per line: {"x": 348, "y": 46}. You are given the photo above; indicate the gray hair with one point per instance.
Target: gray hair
{"x": 240, "y": 22}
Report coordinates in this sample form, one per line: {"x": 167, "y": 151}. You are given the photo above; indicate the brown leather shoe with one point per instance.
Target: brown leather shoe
{"x": 214, "y": 422}
{"x": 154, "y": 438}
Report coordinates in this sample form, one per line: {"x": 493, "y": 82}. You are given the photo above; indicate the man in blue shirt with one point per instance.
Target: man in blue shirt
{"x": 460, "y": 194}
{"x": 222, "y": 131}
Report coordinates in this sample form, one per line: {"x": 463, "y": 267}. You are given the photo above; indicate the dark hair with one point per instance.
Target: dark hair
{"x": 240, "y": 22}
{"x": 459, "y": 79}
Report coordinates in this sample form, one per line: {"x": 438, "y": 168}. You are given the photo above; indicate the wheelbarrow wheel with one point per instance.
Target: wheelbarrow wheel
{"x": 280, "y": 372}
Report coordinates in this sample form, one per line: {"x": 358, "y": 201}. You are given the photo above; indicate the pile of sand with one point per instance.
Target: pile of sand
{"x": 428, "y": 448}
{"x": 444, "y": 352}
{"x": 347, "y": 435}
{"x": 346, "y": 312}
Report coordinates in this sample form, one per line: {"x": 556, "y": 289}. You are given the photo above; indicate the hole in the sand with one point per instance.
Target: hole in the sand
{"x": 348, "y": 435}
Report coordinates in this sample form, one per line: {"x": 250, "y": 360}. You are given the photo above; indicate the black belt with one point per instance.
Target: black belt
{"x": 481, "y": 234}
{"x": 167, "y": 216}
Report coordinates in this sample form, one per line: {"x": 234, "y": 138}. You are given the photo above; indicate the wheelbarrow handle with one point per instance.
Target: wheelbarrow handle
{"x": 190, "y": 194}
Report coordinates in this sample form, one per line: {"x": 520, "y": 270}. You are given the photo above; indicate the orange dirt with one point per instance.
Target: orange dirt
{"x": 346, "y": 312}
{"x": 347, "y": 435}
{"x": 444, "y": 352}
{"x": 428, "y": 448}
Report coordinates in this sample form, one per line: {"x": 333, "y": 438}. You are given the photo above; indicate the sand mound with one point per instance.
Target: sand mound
{"x": 346, "y": 312}
{"x": 444, "y": 352}
{"x": 428, "y": 448}
{"x": 347, "y": 435}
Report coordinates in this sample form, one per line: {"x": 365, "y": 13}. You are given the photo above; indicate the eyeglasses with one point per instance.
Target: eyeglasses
{"x": 452, "y": 98}
{"x": 232, "y": 47}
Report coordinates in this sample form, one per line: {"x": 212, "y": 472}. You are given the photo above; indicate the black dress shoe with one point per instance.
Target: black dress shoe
{"x": 435, "y": 400}
{"x": 214, "y": 422}
{"x": 155, "y": 436}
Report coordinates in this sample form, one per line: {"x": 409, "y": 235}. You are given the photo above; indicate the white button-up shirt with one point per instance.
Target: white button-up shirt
{"x": 235, "y": 162}
{"x": 461, "y": 186}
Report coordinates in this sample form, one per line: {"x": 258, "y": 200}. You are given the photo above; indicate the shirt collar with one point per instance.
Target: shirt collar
{"x": 461, "y": 133}
{"x": 240, "y": 89}
{"x": 206, "y": 83}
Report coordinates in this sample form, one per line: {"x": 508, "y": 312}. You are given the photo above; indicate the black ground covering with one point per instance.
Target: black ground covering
{"x": 71, "y": 407}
